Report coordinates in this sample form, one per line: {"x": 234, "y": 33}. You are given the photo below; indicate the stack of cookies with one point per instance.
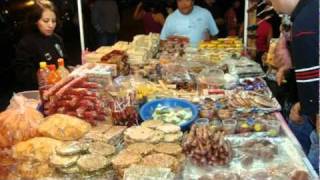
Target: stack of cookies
{"x": 84, "y": 159}
{"x": 161, "y": 155}
{"x": 153, "y": 131}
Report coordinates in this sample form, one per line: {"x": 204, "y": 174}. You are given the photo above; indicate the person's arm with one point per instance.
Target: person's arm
{"x": 159, "y": 18}
{"x": 166, "y": 30}
{"x": 213, "y": 29}
{"x": 282, "y": 59}
{"x": 139, "y": 12}
{"x": 24, "y": 67}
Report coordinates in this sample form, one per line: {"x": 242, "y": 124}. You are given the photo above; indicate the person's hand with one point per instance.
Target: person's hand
{"x": 280, "y": 75}
{"x": 282, "y": 59}
{"x": 295, "y": 114}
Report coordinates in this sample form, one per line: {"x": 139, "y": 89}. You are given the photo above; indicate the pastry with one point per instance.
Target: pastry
{"x": 168, "y": 148}
{"x": 63, "y": 161}
{"x": 38, "y": 149}
{"x": 153, "y": 124}
{"x": 70, "y": 170}
{"x": 157, "y": 137}
{"x": 101, "y": 148}
{"x": 169, "y": 128}
{"x": 141, "y": 148}
{"x": 71, "y": 148}
{"x": 64, "y": 127}
{"x": 92, "y": 162}
{"x": 161, "y": 160}
{"x": 139, "y": 134}
{"x": 125, "y": 158}
{"x": 173, "y": 137}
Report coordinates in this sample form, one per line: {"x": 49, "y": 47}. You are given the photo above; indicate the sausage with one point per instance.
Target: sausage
{"x": 57, "y": 86}
{"x": 86, "y": 103}
{"x": 80, "y": 111}
{"x": 89, "y": 85}
{"x": 69, "y": 85}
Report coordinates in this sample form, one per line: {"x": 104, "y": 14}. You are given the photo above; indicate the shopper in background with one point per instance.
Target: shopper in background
{"x": 106, "y": 21}
{"x": 264, "y": 34}
{"x": 232, "y": 21}
{"x": 305, "y": 58}
{"x": 150, "y": 13}
{"x": 191, "y": 21}
{"x": 40, "y": 43}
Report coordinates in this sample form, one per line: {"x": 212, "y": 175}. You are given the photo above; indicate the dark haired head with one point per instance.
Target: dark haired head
{"x": 35, "y": 14}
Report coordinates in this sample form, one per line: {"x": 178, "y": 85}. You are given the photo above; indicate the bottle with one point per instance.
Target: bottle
{"x": 62, "y": 71}
{"x": 53, "y": 76}
{"x": 42, "y": 76}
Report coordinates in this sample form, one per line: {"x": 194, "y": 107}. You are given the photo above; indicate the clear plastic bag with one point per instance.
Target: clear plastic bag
{"x": 210, "y": 78}
{"x": 175, "y": 73}
{"x": 19, "y": 122}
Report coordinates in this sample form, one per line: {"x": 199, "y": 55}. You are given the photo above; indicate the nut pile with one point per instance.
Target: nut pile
{"x": 204, "y": 147}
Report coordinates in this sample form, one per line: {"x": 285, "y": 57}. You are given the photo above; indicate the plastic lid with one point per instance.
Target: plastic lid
{"x": 52, "y": 67}
{"x": 43, "y": 64}
{"x": 60, "y": 62}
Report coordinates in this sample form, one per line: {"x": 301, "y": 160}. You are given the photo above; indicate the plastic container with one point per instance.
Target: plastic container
{"x": 215, "y": 125}
{"x": 202, "y": 121}
{"x": 147, "y": 109}
{"x": 229, "y": 126}
{"x": 273, "y": 127}
{"x": 211, "y": 78}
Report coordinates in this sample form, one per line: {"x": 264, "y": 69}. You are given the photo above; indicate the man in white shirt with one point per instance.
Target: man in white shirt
{"x": 190, "y": 21}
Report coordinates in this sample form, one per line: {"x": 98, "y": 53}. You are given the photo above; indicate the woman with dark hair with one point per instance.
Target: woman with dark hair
{"x": 40, "y": 43}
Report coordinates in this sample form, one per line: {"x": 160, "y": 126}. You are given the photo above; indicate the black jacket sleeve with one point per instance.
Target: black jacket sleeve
{"x": 25, "y": 66}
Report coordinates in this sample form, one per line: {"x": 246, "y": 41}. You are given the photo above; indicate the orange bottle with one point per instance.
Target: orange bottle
{"x": 62, "y": 70}
{"x": 53, "y": 76}
{"x": 42, "y": 76}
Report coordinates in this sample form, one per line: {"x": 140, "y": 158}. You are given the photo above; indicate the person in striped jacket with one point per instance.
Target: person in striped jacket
{"x": 304, "y": 55}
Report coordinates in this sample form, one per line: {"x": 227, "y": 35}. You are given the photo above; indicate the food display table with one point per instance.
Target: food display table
{"x": 140, "y": 111}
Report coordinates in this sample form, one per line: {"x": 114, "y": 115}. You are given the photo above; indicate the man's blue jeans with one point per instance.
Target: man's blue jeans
{"x": 308, "y": 138}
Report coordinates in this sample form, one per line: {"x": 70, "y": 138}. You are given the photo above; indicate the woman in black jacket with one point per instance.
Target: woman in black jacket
{"x": 39, "y": 44}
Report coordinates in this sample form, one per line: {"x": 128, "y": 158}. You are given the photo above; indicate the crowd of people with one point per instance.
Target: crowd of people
{"x": 197, "y": 20}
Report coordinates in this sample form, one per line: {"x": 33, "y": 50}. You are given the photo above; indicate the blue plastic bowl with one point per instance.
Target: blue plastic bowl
{"x": 147, "y": 109}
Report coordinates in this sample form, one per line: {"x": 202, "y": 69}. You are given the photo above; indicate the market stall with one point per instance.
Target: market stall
{"x": 140, "y": 111}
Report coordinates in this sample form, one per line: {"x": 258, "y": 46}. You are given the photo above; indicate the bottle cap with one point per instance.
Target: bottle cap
{"x": 52, "y": 67}
{"x": 43, "y": 64}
